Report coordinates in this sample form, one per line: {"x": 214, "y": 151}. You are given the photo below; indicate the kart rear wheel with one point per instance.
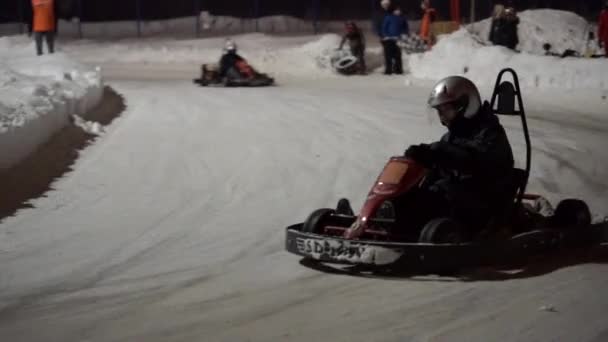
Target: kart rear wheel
{"x": 572, "y": 213}
{"x": 442, "y": 230}
{"x": 315, "y": 221}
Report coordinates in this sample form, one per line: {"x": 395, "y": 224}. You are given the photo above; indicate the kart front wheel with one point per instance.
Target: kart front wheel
{"x": 315, "y": 221}
{"x": 442, "y": 230}
{"x": 572, "y": 213}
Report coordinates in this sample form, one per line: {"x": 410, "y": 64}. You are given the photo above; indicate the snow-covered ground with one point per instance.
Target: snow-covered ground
{"x": 171, "y": 226}
{"x": 38, "y": 95}
{"x": 301, "y": 56}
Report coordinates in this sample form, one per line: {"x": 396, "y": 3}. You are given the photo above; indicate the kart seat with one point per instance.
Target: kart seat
{"x": 506, "y": 100}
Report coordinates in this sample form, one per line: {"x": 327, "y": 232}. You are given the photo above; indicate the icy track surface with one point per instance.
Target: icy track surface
{"x": 171, "y": 227}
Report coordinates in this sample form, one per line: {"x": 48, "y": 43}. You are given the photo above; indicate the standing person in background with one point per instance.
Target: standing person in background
{"x": 378, "y": 25}
{"x": 44, "y": 24}
{"x": 511, "y": 23}
{"x": 497, "y": 30}
{"x": 428, "y": 17}
{"x": 602, "y": 29}
{"x": 405, "y": 30}
{"x": 392, "y": 29}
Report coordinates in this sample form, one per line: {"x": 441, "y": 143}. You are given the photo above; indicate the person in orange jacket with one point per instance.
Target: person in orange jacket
{"x": 44, "y": 24}
{"x": 427, "y": 19}
{"x": 602, "y": 29}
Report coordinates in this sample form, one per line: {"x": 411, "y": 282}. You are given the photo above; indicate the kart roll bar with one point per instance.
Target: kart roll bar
{"x": 503, "y": 103}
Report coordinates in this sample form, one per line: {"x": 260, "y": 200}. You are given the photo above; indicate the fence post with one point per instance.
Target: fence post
{"x": 138, "y": 15}
{"x": 315, "y": 15}
{"x": 256, "y": 14}
{"x": 197, "y": 12}
{"x": 472, "y": 14}
{"x": 79, "y": 9}
{"x": 20, "y": 15}
{"x": 372, "y": 9}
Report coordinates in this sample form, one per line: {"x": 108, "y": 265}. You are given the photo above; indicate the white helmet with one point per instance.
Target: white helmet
{"x": 458, "y": 90}
{"x": 229, "y": 46}
{"x": 385, "y": 3}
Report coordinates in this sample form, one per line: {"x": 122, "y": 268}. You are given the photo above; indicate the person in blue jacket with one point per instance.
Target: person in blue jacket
{"x": 392, "y": 29}
{"x": 378, "y": 20}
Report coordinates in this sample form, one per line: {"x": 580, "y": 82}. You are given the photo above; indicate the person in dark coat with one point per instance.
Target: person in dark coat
{"x": 503, "y": 30}
{"x": 468, "y": 165}
{"x": 392, "y": 29}
{"x": 356, "y": 42}
{"x": 497, "y": 26}
{"x": 510, "y": 27}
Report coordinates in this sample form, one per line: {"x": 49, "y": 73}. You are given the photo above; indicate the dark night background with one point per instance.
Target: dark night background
{"x": 110, "y": 10}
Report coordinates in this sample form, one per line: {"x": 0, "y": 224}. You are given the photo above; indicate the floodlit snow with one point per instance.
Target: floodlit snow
{"x": 37, "y": 96}
{"x": 563, "y": 30}
{"x": 171, "y": 225}
{"x": 462, "y": 53}
{"x": 301, "y": 56}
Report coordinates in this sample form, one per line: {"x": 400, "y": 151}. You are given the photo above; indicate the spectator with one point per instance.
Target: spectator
{"x": 503, "y": 30}
{"x": 497, "y": 24}
{"x": 511, "y": 23}
{"x": 428, "y": 17}
{"x": 356, "y": 42}
{"x": 406, "y": 26}
{"x": 378, "y": 26}
{"x": 392, "y": 29}
{"x": 44, "y": 24}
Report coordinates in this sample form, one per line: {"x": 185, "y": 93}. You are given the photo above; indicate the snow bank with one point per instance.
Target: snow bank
{"x": 298, "y": 56}
{"x": 462, "y": 53}
{"x": 38, "y": 95}
{"x": 563, "y": 30}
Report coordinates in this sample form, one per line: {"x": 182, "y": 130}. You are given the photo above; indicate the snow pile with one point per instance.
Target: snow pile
{"x": 90, "y": 127}
{"x": 38, "y": 95}
{"x": 308, "y": 59}
{"x": 461, "y": 53}
{"x": 296, "y": 56}
{"x": 563, "y": 30}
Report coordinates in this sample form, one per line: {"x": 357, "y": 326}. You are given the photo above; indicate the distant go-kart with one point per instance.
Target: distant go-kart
{"x": 244, "y": 76}
{"x": 375, "y": 242}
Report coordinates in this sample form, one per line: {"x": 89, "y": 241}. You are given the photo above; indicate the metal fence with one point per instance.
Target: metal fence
{"x": 308, "y": 15}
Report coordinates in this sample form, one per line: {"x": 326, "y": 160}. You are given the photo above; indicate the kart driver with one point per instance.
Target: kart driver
{"x": 467, "y": 167}
{"x": 470, "y": 162}
{"x": 232, "y": 65}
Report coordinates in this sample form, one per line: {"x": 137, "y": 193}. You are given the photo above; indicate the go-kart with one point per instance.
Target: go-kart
{"x": 246, "y": 76}
{"x": 523, "y": 226}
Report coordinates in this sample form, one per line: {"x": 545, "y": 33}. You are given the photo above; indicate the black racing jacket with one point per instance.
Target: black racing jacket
{"x": 472, "y": 160}
{"x": 228, "y": 61}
